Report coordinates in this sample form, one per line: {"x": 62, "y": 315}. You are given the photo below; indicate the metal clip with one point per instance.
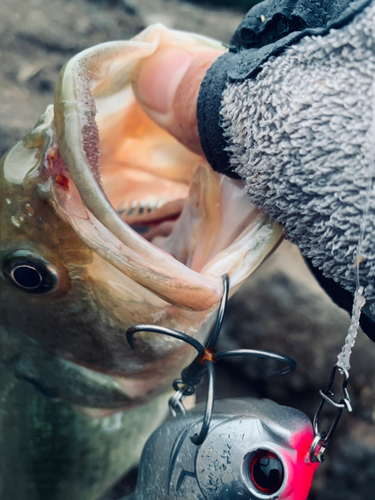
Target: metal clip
{"x": 320, "y": 443}
{"x": 176, "y": 402}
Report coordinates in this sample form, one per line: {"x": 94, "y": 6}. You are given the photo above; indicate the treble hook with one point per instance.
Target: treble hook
{"x": 204, "y": 363}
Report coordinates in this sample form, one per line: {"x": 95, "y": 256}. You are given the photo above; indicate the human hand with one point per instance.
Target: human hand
{"x": 167, "y": 87}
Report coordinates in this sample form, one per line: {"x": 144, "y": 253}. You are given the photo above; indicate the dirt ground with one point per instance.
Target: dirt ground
{"x": 37, "y": 37}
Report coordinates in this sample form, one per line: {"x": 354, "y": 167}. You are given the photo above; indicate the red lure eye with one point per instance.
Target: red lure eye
{"x": 266, "y": 471}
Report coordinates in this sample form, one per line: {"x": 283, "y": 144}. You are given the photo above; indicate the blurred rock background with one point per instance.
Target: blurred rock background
{"x": 281, "y": 307}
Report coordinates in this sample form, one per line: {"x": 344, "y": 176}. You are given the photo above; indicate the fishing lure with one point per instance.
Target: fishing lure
{"x": 246, "y": 449}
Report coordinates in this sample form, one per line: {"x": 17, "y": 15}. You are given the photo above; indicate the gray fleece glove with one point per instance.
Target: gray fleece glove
{"x": 292, "y": 108}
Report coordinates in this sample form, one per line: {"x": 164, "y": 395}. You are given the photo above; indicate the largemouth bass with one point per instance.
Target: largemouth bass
{"x": 106, "y": 222}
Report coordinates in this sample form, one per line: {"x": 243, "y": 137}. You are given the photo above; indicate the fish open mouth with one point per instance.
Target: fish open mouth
{"x": 141, "y": 200}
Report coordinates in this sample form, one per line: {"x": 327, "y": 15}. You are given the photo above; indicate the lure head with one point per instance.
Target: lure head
{"x": 255, "y": 450}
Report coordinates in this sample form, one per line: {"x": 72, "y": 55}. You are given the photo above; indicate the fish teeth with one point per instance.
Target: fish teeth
{"x": 159, "y": 204}
{"x": 140, "y": 208}
{"x": 152, "y": 206}
{"x": 132, "y": 208}
{"x": 123, "y": 209}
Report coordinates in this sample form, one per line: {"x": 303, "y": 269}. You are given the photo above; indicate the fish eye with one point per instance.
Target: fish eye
{"x": 30, "y": 272}
{"x": 266, "y": 472}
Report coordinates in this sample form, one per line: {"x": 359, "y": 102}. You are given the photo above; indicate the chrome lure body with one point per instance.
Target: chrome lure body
{"x": 255, "y": 449}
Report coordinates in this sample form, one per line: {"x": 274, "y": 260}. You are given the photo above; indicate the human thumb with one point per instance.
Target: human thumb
{"x": 167, "y": 86}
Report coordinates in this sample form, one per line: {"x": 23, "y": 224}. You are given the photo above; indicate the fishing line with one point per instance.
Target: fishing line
{"x": 343, "y": 359}
{"x": 320, "y": 443}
